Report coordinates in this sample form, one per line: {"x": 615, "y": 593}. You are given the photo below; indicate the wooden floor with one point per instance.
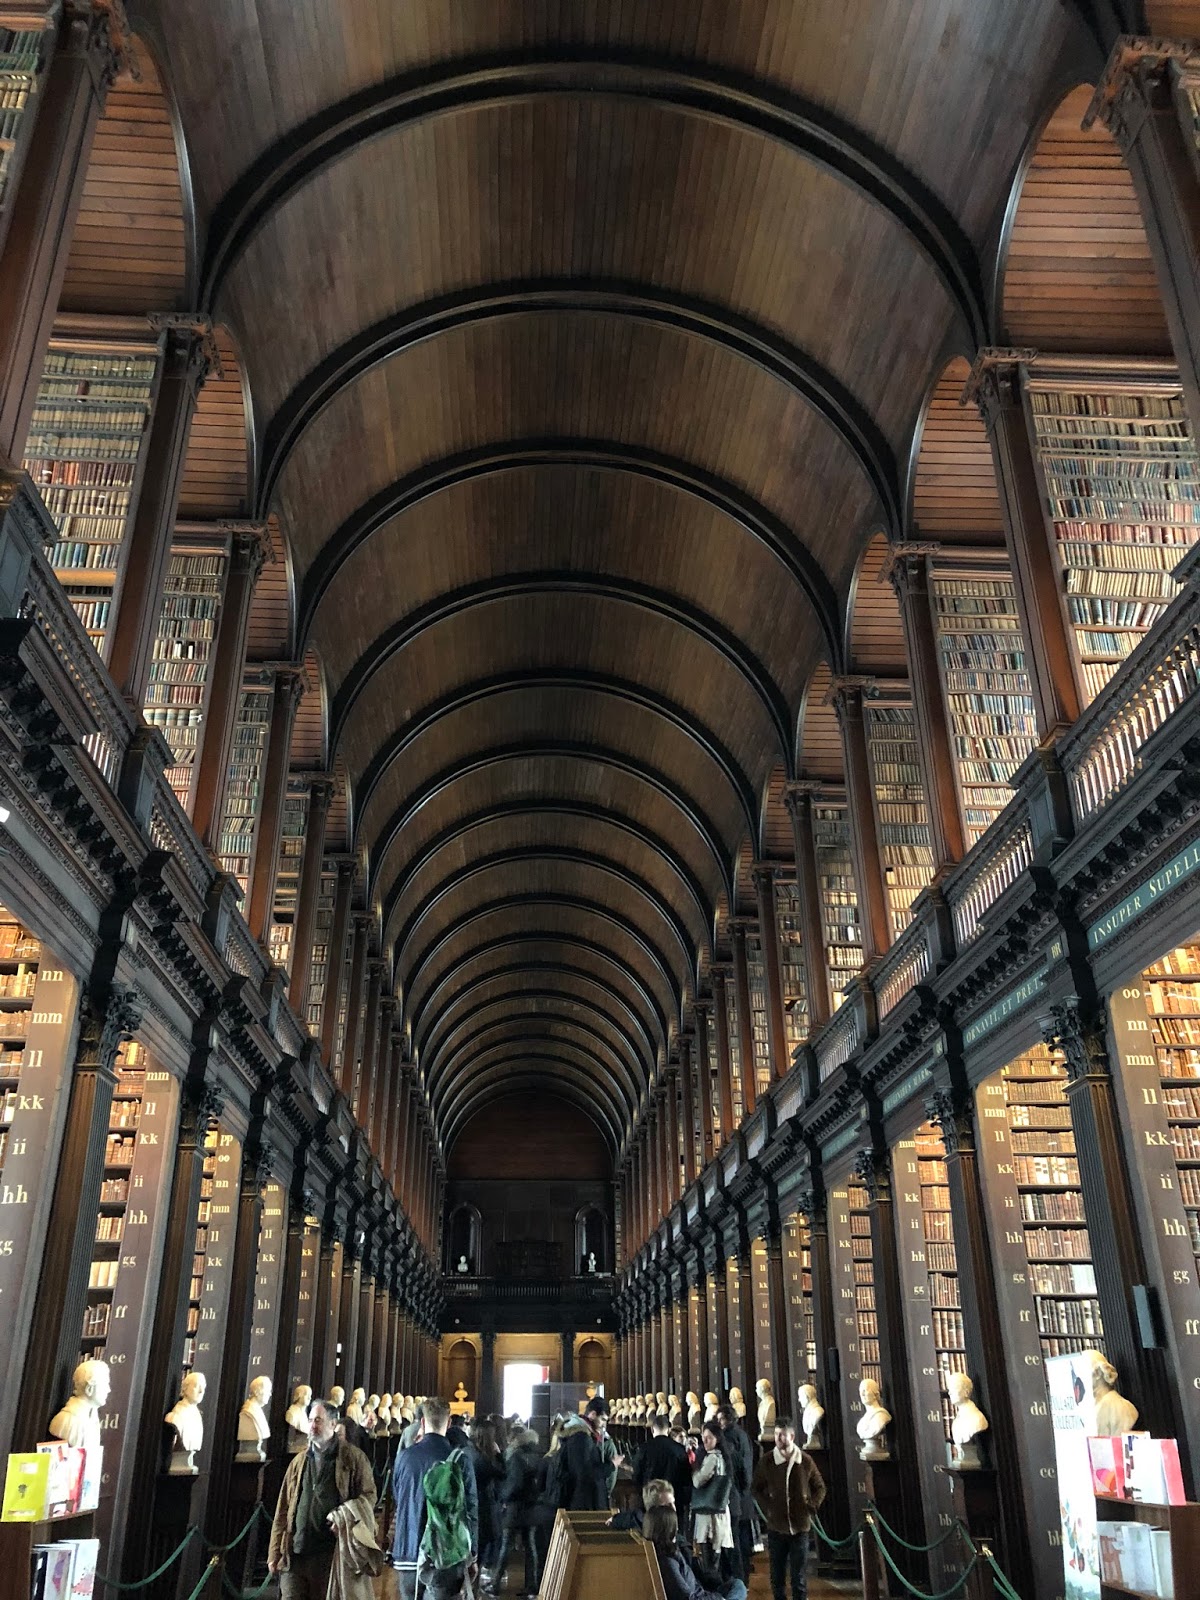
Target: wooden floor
{"x": 759, "y": 1586}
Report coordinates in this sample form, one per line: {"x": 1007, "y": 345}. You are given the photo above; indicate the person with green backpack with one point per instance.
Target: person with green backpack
{"x": 435, "y": 1544}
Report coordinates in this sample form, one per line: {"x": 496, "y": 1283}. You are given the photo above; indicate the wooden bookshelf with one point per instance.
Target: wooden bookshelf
{"x": 903, "y": 821}
{"x": 791, "y": 962}
{"x": 756, "y": 974}
{"x": 941, "y": 1262}
{"x": 124, "y": 1119}
{"x": 1122, "y": 482}
{"x": 84, "y": 455}
{"x": 20, "y": 955}
{"x": 863, "y": 1259}
{"x": 1171, "y": 988}
{"x": 243, "y": 789}
{"x": 735, "y": 1056}
{"x": 989, "y": 698}
{"x": 1057, "y": 1244}
{"x": 1181, "y": 1522}
{"x": 200, "y": 1253}
{"x": 319, "y": 969}
{"x": 181, "y": 670}
{"x": 287, "y": 880}
{"x": 839, "y": 895}
{"x": 797, "y": 1252}
{"x": 21, "y": 63}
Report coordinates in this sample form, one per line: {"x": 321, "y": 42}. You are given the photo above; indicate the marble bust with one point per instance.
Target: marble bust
{"x": 710, "y": 1405}
{"x": 338, "y": 1395}
{"x": 1114, "y": 1414}
{"x": 812, "y": 1416}
{"x": 186, "y": 1419}
{"x": 296, "y": 1417}
{"x": 383, "y": 1416}
{"x": 969, "y": 1422}
{"x": 738, "y": 1401}
{"x": 253, "y": 1427}
{"x": 463, "y": 1265}
{"x": 766, "y": 1409}
{"x": 674, "y": 1411}
{"x": 694, "y": 1413}
{"x": 78, "y": 1423}
{"x": 356, "y": 1411}
{"x": 872, "y": 1425}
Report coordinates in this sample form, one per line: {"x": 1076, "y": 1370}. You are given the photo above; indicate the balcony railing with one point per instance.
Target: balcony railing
{"x": 593, "y": 1289}
{"x": 904, "y": 966}
{"x": 988, "y": 869}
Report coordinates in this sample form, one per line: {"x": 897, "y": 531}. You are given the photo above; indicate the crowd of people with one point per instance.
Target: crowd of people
{"x": 462, "y": 1502}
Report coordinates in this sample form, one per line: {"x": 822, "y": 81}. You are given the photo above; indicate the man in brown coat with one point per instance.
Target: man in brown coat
{"x": 318, "y": 1480}
{"x": 788, "y": 1489}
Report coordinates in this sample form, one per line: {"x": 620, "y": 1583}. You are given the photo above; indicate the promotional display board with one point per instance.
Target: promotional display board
{"x": 1073, "y": 1418}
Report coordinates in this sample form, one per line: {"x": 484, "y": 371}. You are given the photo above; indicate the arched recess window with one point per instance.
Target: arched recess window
{"x": 462, "y": 1241}
{"x": 591, "y": 1362}
{"x": 591, "y": 1241}
{"x": 462, "y": 1367}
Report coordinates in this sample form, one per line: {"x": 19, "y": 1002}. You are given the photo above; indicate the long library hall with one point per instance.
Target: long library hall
{"x": 600, "y": 798}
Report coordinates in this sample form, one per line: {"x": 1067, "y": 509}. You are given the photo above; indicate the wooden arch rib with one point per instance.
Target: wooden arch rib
{"x": 584, "y": 1039}
{"x": 638, "y": 302}
{"x": 518, "y": 454}
{"x": 569, "y": 864}
{"x": 599, "y": 817}
{"x": 564, "y": 921}
{"x": 701, "y": 824}
{"x": 543, "y": 953}
{"x": 875, "y": 639}
{"x": 1076, "y": 271}
{"x": 621, "y": 689}
{"x": 955, "y": 498}
{"x": 500, "y": 1079}
{"x": 808, "y": 129}
{"x": 601, "y": 585}
{"x": 534, "y": 980}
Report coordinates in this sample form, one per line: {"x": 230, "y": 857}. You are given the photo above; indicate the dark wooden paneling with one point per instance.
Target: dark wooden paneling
{"x": 1174, "y": 19}
{"x": 876, "y": 632}
{"x": 522, "y": 1136}
{"x": 820, "y": 737}
{"x": 954, "y": 487}
{"x": 1078, "y": 274}
{"x": 268, "y": 637}
{"x": 215, "y": 471}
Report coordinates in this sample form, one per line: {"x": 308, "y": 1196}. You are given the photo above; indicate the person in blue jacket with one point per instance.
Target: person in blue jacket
{"x": 409, "y": 1494}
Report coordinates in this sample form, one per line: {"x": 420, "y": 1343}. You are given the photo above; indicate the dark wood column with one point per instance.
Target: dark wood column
{"x": 110, "y": 1015}
{"x": 399, "y": 1153}
{"x": 768, "y": 932}
{"x": 739, "y": 928}
{"x": 811, "y": 1202}
{"x": 364, "y": 1095}
{"x": 1080, "y": 1029}
{"x": 42, "y": 212}
{"x": 248, "y": 548}
{"x": 200, "y": 1108}
{"x": 874, "y": 1171}
{"x": 339, "y": 933}
{"x": 983, "y": 1331}
{"x": 799, "y": 799}
{"x": 289, "y": 1310}
{"x": 326, "y": 1313}
{"x": 354, "y": 1003}
{"x": 381, "y": 1343}
{"x": 348, "y": 1291}
{"x": 366, "y": 1324}
{"x": 189, "y": 354}
{"x": 308, "y": 893}
{"x": 671, "y": 1135}
{"x": 666, "y": 1096}
{"x": 255, "y": 1175}
{"x": 385, "y": 1084}
{"x": 633, "y": 1222}
{"x": 720, "y": 979}
{"x": 1144, "y": 101}
{"x": 719, "y": 1321}
{"x": 289, "y": 686}
{"x": 849, "y": 695}
{"x": 907, "y": 568}
{"x": 688, "y": 1107}
{"x": 703, "y": 1013}
{"x": 995, "y": 385}
{"x": 782, "y": 1376}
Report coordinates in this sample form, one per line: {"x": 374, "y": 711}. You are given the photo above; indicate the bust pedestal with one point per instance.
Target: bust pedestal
{"x": 975, "y": 1500}
{"x": 883, "y": 1486}
{"x": 245, "y": 1492}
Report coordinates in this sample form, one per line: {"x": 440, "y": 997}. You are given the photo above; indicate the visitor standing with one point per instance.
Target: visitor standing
{"x": 408, "y": 1493}
{"x": 664, "y": 1458}
{"x": 712, "y": 1483}
{"x": 327, "y": 1474}
{"x": 741, "y": 1504}
{"x": 788, "y": 1489}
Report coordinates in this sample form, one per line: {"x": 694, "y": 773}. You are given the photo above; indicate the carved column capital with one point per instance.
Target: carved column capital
{"x": 994, "y": 383}
{"x": 871, "y": 1169}
{"x": 906, "y": 565}
{"x": 203, "y": 1104}
{"x": 1078, "y": 1031}
{"x": 99, "y": 31}
{"x": 1140, "y": 75}
{"x": 847, "y": 693}
{"x": 290, "y": 684}
{"x": 249, "y": 547}
{"x": 954, "y": 1117}
{"x": 189, "y": 342}
{"x": 104, "y": 1027}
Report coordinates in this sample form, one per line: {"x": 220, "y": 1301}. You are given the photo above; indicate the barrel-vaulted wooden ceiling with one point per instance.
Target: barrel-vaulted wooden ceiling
{"x": 587, "y": 342}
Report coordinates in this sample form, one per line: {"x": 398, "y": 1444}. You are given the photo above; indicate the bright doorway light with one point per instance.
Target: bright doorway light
{"x": 519, "y": 1379}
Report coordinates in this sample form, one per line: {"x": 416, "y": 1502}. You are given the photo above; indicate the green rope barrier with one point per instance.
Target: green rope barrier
{"x": 998, "y": 1578}
{"x": 141, "y": 1583}
{"x": 213, "y": 1561}
{"x": 224, "y": 1549}
{"x": 834, "y": 1544}
{"x": 247, "y": 1594}
{"x": 921, "y": 1594}
{"x": 956, "y": 1526}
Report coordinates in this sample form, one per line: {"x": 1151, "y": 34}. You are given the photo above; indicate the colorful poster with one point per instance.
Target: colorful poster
{"x": 1073, "y": 1417}
{"x": 26, "y": 1487}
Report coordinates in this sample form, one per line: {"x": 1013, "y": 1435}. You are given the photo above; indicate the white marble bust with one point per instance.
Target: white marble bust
{"x": 78, "y": 1423}
{"x": 738, "y": 1401}
{"x": 356, "y": 1410}
{"x": 253, "y": 1426}
{"x": 812, "y": 1416}
{"x": 463, "y": 1265}
{"x": 591, "y": 1261}
{"x": 695, "y": 1414}
{"x": 710, "y": 1405}
{"x": 674, "y": 1411}
{"x": 872, "y": 1425}
{"x": 338, "y": 1395}
{"x": 185, "y": 1417}
{"x": 968, "y": 1423}
{"x": 383, "y": 1415}
{"x": 766, "y": 1409}
{"x": 296, "y": 1417}
{"x": 1114, "y": 1414}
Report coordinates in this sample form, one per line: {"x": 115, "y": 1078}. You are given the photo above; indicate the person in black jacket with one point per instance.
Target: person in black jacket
{"x": 663, "y": 1458}
{"x": 489, "y": 1471}
{"x": 582, "y": 1479}
{"x": 518, "y": 1495}
{"x": 741, "y": 1503}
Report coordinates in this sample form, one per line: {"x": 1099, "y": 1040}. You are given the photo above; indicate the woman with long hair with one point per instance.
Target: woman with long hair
{"x": 712, "y": 1484}
{"x": 489, "y": 1472}
{"x": 660, "y": 1527}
